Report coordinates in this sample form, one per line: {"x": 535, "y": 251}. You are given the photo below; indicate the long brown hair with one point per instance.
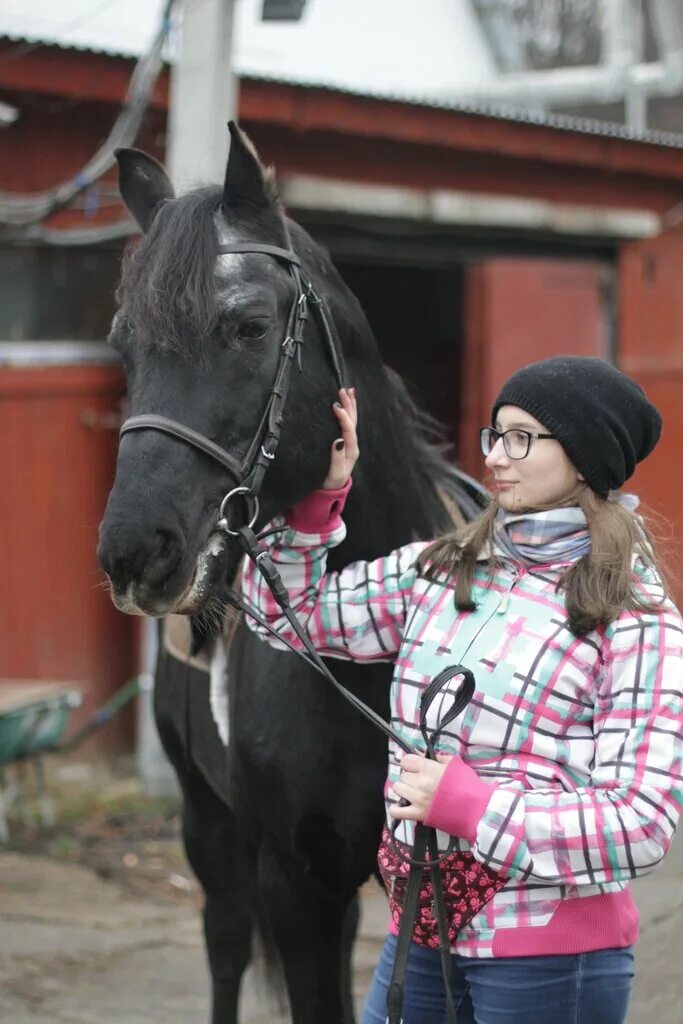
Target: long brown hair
{"x": 598, "y": 586}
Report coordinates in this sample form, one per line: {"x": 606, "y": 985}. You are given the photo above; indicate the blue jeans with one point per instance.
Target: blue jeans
{"x": 586, "y": 988}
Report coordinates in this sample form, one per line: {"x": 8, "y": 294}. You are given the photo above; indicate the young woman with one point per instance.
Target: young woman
{"x": 561, "y": 781}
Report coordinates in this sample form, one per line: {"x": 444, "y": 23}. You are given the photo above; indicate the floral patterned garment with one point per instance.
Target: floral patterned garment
{"x": 467, "y": 887}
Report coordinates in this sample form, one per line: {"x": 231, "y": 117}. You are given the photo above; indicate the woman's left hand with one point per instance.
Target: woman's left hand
{"x": 418, "y": 784}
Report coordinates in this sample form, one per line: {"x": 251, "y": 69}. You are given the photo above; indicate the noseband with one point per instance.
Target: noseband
{"x": 249, "y": 473}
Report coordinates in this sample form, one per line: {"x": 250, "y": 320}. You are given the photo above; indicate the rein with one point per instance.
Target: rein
{"x": 248, "y": 474}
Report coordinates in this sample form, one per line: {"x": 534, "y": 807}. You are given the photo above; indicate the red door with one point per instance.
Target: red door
{"x": 58, "y": 441}
{"x": 650, "y": 349}
{"x": 518, "y": 311}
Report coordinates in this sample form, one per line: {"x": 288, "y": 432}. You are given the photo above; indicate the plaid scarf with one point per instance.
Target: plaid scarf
{"x": 546, "y": 538}
{"x": 543, "y": 538}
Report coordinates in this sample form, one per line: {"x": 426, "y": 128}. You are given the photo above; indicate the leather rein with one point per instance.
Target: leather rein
{"x": 249, "y": 474}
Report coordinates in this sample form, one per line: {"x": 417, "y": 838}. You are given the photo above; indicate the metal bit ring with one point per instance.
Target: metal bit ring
{"x": 223, "y": 522}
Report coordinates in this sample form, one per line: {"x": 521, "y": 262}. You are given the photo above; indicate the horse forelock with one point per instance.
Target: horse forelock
{"x": 168, "y": 284}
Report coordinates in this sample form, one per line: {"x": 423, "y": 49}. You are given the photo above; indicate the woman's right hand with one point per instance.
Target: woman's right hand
{"x": 345, "y": 449}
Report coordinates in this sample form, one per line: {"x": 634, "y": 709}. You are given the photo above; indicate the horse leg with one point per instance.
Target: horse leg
{"x": 310, "y": 928}
{"x": 348, "y": 938}
{"x": 218, "y": 854}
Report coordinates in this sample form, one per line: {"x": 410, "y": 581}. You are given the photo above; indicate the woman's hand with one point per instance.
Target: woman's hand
{"x": 418, "y": 784}
{"x": 345, "y": 449}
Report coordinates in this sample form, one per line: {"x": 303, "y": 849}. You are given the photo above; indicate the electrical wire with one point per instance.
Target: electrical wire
{"x": 30, "y": 209}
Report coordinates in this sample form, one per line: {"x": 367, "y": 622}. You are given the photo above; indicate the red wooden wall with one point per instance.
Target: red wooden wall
{"x": 651, "y": 350}
{"x": 56, "y": 620}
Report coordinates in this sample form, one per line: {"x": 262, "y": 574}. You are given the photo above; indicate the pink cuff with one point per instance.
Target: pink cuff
{"x": 459, "y": 803}
{"x": 320, "y": 511}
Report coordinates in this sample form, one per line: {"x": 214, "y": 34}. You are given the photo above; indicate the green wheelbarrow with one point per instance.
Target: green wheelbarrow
{"x": 33, "y": 721}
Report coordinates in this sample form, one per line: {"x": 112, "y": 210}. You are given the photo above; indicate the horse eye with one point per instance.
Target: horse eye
{"x": 254, "y": 330}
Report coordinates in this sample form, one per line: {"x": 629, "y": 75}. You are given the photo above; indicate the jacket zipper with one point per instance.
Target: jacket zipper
{"x": 505, "y": 600}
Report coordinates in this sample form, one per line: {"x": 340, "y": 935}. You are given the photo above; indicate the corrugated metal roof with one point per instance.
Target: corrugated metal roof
{"x": 323, "y": 51}
{"x": 565, "y": 122}
{"x": 115, "y": 27}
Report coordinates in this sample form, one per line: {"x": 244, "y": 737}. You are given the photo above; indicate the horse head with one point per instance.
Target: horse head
{"x": 201, "y": 333}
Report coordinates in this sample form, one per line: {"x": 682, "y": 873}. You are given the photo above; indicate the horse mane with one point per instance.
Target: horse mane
{"x": 432, "y": 457}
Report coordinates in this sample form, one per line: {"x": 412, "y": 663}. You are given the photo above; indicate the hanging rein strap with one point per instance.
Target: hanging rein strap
{"x": 425, "y": 853}
{"x": 425, "y": 849}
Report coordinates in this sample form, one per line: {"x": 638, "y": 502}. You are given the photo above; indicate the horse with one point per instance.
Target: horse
{"x": 281, "y": 824}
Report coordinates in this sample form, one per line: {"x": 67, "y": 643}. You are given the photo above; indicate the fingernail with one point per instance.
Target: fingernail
{"x": 337, "y": 405}
{"x": 353, "y": 392}
{"x": 339, "y": 445}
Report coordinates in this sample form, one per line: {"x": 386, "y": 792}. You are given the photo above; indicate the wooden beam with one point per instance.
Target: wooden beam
{"x": 305, "y": 110}
{"x": 73, "y": 74}
{"x": 318, "y": 131}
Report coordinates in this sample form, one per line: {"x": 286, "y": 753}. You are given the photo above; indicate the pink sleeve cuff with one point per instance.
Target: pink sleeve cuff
{"x": 320, "y": 511}
{"x": 459, "y": 803}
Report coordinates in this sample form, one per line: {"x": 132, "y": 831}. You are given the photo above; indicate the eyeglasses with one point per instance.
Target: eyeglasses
{"x": 516, "y": 442}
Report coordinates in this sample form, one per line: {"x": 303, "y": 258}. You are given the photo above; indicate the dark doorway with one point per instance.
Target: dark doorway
{"x": 416, "y": 316}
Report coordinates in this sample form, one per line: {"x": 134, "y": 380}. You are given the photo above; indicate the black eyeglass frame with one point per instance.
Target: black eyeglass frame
{"x": 485, "y": 433}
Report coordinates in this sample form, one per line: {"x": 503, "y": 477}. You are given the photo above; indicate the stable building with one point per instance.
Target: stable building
{"x": 476, "y": 240}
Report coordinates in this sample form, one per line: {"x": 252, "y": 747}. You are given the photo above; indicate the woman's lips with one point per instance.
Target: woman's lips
{"x": 502, "y": 485}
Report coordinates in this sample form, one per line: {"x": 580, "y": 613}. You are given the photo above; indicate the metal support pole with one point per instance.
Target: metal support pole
{"x": 203, "y": 94}
{"x": 155, "y": 771}
{"x": 203, "y": 100}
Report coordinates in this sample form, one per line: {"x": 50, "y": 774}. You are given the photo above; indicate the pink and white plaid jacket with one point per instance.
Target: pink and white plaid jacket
{"x": 568, "y": 778}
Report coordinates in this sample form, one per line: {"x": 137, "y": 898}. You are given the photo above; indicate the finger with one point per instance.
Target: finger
{"x": 445, "y": 758}
{"x": 354, "y": 406}
{"x": 406, "y": 791}
{"x": 338, "y": 454}
{"x": 412, "y": 763}
{"x": 348, "y": 432}
{"x": 408, "y": 813}
{"x": 343, "y": 414}
{"x": 348, "y": 402}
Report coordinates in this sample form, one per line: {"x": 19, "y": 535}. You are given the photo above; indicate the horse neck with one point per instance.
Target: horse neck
{"x": 393, "y": 499}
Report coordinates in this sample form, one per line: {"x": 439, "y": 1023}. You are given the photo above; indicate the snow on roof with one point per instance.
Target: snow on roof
{"x": 403, "y": 48}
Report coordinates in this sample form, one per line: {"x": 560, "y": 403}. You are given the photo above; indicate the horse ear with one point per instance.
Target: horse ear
{"x": 143, "y": 184}
{"x": 247, "y": 183}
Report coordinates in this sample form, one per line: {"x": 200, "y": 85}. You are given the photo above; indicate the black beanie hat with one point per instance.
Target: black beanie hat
{"x": 601, "y": 417}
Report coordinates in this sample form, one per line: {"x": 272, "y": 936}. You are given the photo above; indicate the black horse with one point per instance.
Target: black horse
{"x": 286, "y": 831}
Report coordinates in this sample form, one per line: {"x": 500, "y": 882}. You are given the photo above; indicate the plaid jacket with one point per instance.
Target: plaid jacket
{"x": 580, "y": 740}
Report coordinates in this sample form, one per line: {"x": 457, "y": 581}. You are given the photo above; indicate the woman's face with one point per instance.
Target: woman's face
{"x": 544, "y": 479}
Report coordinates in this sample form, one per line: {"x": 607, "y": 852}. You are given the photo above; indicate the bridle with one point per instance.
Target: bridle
{"x": 249, "y": 474}
{"x": 250, "y": 471}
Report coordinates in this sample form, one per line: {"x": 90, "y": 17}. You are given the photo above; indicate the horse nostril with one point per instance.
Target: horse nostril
{"x": 164, "y": 557}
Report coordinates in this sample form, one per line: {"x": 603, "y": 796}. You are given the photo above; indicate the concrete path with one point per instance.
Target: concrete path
{"x": 77, "y": 950}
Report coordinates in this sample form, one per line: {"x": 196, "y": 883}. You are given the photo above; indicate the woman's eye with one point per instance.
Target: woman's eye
{"x": 254, "y": 330}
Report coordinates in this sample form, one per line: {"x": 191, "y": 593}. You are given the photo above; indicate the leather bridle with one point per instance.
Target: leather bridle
{"x": 250, "y": 471}
{"x": 248, "y": 474}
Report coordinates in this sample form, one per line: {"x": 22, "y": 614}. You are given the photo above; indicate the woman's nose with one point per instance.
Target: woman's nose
{"x": 497, "y": 455}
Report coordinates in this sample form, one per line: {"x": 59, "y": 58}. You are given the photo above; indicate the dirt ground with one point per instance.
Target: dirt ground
{"x": 100, "y": 923}
{"x": 106, "y": 823}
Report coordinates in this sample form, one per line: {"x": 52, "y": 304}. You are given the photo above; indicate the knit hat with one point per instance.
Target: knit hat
{"x": 601, "y": 417}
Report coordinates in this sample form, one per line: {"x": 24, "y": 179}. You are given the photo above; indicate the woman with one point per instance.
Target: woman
{"x": 562, "y": 780}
